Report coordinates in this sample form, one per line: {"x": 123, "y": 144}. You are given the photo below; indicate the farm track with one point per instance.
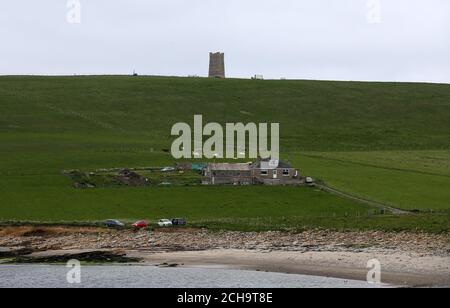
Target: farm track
{"x": 376, "y": 204}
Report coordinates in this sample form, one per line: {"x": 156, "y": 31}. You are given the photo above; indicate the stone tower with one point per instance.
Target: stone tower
{"x": 216, "y": 65}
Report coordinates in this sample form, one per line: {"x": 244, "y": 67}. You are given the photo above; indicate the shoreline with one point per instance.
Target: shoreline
{"x": 407, "y": 259}
{"x": 397, "y": 270}
{"x": 350, "y": 266}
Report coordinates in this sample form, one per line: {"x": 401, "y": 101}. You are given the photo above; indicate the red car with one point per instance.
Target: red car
{"x": 142, "y": 224}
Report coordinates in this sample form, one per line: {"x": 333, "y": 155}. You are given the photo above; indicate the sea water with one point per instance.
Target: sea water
{"x": 130, "y": 276}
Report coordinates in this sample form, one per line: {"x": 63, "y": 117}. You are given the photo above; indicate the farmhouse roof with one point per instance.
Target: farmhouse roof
{"x": 229, "y": 167}
{"x": 265, "y": 164}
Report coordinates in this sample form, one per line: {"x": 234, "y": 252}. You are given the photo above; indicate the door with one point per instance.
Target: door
{"x": 275, "y": 173}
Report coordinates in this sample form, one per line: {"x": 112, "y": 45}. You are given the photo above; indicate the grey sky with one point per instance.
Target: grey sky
{"x": 315, "y": 39}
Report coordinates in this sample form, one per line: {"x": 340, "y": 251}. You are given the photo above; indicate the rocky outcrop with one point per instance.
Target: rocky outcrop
{"x": 185, "y": 239}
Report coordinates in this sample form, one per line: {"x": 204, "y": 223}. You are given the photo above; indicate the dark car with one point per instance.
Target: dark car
{"x": 179, "y": 222}
{"x": 113, "y": 223}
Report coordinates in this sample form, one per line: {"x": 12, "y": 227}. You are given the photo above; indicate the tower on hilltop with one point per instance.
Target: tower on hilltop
{"x": 216, "y": 65}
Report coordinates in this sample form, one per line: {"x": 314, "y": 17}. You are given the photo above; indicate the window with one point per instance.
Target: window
{"x": 264, "y": 172}
{"x": 285, "y": 172}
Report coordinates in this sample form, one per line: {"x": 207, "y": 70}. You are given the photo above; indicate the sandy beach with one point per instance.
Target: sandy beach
{"x": 407, "y": 259}
{"x": 396, "y": 269}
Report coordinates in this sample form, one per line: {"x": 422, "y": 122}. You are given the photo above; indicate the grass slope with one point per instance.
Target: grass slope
{"x": 400, "y": 179}
{"x": 387, "y": 142}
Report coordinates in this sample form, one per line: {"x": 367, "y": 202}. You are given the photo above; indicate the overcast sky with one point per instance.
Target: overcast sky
{"x": 395, "y": 40}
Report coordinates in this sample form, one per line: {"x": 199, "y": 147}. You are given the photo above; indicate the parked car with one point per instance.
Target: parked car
{"x": 168, "y": 169}
{"x": 179, "y": 222}
{"x": 309, "y": 181}
{"x": 165, "y": 223}
{"x": 113, "y": 223}
{"x": 141, "y": 224}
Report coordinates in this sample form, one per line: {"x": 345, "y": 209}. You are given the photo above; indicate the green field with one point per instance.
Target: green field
{"x": 386, "y": 142}
{"x": 418, "y": 181}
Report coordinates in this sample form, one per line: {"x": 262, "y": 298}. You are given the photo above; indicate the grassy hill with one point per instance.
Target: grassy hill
{"x": 387, "y": 142}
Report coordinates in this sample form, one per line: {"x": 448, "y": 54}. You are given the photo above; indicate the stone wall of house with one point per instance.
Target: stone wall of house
{"x": 228, "y": 177}
{"x": 283, "y": 181}
{"x": 281, "y": 178}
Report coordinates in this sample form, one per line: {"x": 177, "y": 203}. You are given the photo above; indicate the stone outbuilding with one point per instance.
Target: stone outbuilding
{"x": 262, "y": 172}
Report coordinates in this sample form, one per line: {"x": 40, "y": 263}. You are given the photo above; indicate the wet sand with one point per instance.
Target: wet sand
{"x": 396, "y": 269}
